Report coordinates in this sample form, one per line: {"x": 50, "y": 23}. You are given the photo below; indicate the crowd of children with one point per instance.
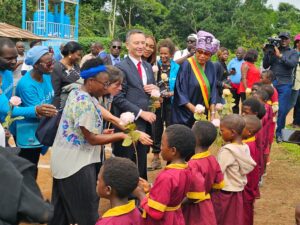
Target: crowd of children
{"x": 195, "y": 187}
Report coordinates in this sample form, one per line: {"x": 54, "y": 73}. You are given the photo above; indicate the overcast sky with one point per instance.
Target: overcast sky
{"x": 275, "y": 3}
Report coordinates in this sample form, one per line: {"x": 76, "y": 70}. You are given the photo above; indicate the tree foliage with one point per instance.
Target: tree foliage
{"x": 234, "y": 22}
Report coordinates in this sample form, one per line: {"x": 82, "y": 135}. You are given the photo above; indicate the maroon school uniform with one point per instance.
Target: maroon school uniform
{"x": 125, "y": 214}
{"x": 251, "y": 190}
{"x": 163, "y": 204}
{"x": 204, "y": 167}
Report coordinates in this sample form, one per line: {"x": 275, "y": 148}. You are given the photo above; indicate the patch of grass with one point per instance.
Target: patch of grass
{"x": 293, "y": 149}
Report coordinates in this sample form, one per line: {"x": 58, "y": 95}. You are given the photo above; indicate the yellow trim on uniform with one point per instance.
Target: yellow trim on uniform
{"x": 201, "y": 155}
{"x": 177, "y": 166}
{"x": 156, "y": 205}
{"x": 196, "y": 195}
{"x": 218, "y": 185}
{"x": 120, "y": 210}
{"x": 251, "y": 139}
{"x": 206, "y": 197}
{"x": 159, "y": 207}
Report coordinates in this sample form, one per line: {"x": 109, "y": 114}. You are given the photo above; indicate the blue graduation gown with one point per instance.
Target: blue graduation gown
{"x": 187, "y": 90}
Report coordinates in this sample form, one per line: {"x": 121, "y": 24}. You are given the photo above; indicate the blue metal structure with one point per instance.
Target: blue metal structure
{"x": 54, "y": 26}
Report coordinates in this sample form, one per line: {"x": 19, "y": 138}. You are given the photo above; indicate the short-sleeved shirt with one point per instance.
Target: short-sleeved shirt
{"x": 71, "y": 151}
{"x": 180, "y": 54}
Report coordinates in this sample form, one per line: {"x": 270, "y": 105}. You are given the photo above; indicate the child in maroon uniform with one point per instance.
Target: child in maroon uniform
{"x": 162, "y": 206}
{"x": 267, "y": 79}
{"x": 251, "y": 191}
{"x": 203, "y": 164}
{"x": 117, "y": 179}
{"x": 252, "y": 106}
{"x": 263, "y": 97}
{"x": 235, "y": 162}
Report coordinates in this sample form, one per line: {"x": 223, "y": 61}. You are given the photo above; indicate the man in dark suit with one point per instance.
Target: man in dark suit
{"x": 115, "y": 51}
{"x": 135, "y": 95}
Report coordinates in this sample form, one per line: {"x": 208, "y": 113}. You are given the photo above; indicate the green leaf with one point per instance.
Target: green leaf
{"x": 135, "y": 135}
{"x": 127, "y": 142}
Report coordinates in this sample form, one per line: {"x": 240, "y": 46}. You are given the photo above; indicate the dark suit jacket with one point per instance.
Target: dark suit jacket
{"x": 133, "y": 98}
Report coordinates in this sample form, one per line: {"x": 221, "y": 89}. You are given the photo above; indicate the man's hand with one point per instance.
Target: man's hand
{"x": 148, "y": 116}
{"x": 149, "y": 87}
{"x": 277, "y": 53}
{"x": 145, "y": 139}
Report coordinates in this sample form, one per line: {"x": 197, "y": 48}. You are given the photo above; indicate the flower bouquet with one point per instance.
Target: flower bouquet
{"x": 199, "y": 113}
{"x": 154, "y": 100}
{"x": 229, "y": 103}
{"x": 127, "y": 120}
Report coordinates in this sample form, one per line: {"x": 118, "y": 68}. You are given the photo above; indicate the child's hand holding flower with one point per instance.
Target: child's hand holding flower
{"x": 13, "y": 102}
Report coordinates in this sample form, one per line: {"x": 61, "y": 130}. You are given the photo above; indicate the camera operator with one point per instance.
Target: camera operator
{"x": 282, "y": 61}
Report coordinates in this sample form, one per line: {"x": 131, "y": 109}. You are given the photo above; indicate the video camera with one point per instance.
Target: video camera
{"x": 273, "y": 42}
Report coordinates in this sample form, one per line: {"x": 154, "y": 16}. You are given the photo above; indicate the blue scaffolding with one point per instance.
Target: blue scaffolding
{"x": 55, "y": 26}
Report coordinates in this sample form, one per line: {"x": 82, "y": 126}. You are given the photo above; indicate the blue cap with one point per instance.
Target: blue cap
{"x": 35, "y": 53}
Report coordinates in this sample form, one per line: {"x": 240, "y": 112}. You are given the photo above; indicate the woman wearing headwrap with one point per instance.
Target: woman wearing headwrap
{"x": 34, "y": 89}
{"x": 77, "y": 145}
{"x": 196, "y": 82}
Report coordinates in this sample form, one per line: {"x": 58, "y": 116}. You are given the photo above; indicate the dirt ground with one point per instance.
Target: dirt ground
{"x": 279, "y": 194}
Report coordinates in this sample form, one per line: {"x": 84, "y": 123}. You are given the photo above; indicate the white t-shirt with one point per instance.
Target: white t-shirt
{"x": 2, "y": 136}
{"x": 180, "y": 54}
{"x": 71, "y": 151}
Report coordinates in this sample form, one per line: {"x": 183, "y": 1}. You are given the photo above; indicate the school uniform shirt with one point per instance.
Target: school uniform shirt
{"x": 235, "y": 162}
{"x": 251, "y": 190}
{"x": 126, "y": 214}
{"x": 204, "y": 167}
{"x": 70, "y": 150}
{"x": 162, "y": 206}
{"x": 274, "y": 104}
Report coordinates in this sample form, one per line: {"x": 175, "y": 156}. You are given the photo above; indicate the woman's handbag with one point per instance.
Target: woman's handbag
{"x": 26, "y": 134}
{"x": 47, "y": 129}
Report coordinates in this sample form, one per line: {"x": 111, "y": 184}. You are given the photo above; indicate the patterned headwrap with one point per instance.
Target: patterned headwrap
{"x": 207, "y": 42}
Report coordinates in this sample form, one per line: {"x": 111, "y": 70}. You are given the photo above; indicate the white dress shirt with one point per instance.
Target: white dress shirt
{"x": 144, "y": 75}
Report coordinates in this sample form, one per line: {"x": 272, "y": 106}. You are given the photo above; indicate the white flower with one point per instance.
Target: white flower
{"x": 127, "y": 118}
{"x": 226, "y": 92}
{"x": 155, "y": 93}
{"x": 219, "y": 107}
{"x": 154, "y": 68}
{"x": 164, "y": 77}
{"x": 15, "y": 101}
{"x": 216, "y": 122}
{"x": 199, "y": 109}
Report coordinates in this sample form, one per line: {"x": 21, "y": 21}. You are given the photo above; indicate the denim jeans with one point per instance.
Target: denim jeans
{"x": 284, "y": 96}
{"x": 294, "y": 97}
{"x": 296, "y": 116}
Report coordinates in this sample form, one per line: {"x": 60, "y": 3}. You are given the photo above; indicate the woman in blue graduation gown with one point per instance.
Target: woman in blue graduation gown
{"x": 196, "y": 82}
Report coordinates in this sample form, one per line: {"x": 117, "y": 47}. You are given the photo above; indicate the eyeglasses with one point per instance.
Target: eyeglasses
{"x": 48, "y": 64}
{"x": 105, "y": 84}
{"x": 118, "y": 47}
{"x": 203, "y": 52}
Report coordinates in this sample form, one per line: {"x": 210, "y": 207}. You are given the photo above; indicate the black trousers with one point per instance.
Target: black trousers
{"x": 75, "y": 199}
{"x": 163, "y": 118}
{"x": 237, "y": 97}
{"x": 129, "y": 152}
{"x": 32, "y": 155}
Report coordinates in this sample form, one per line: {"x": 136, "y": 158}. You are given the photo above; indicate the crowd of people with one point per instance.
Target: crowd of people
{"x": 83, "y": 99}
